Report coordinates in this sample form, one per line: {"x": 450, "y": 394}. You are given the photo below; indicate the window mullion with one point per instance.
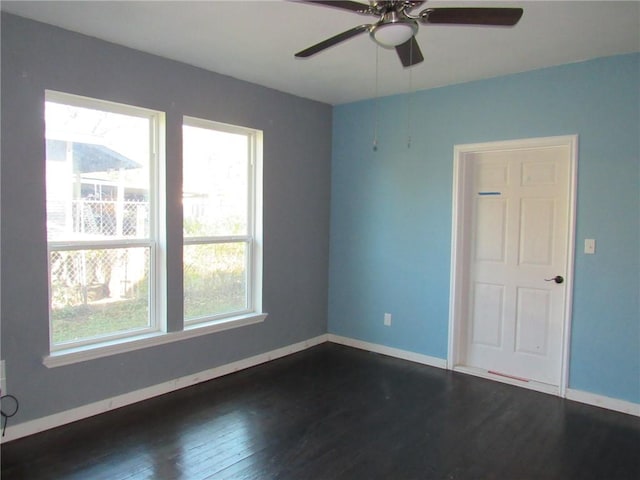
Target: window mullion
{"x": 103, "y": 244}
{"x": 217, "y": 240}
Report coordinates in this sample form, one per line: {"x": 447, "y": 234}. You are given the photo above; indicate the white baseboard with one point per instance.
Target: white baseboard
{"x": 616, "y": 404}
{"x": 390, "y": 351}
{"x": 58, "y": 419}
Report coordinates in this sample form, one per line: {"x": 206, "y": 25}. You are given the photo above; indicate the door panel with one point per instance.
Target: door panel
{"x": 487, "y": 310}
{"x": 490, "y": 238}
{"x": 536, "y": 231}
{"x": 532, "y": 321}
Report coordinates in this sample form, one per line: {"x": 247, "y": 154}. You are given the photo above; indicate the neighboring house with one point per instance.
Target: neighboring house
{"x": 97, "y": 201}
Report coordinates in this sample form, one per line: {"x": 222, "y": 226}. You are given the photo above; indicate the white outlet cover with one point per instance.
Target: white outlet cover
{"x": 589, "y": 246}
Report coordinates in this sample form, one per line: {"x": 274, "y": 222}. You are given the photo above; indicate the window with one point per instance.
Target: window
{"x": 105, "y": 266}
{"x": 106, "y": 229}
{"x": 221, "y": 218}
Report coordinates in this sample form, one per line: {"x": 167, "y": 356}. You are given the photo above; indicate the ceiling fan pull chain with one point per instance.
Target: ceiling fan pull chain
{"x": 409, "y": 99}
{"x": 376, "y": 106}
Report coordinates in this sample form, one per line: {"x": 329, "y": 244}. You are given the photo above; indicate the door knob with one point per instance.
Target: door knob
{"x": 557, "y": 279}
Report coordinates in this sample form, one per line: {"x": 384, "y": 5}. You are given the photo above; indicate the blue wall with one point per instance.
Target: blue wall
{"x": 391, "y": 209}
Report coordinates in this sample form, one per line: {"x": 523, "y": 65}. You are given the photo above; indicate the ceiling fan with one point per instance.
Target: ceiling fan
{"x": 396, "y": 26}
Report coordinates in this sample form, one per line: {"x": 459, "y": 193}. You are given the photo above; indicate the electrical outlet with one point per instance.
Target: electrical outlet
{"x": 387, "y": 319}
{"x": 3, "y": 378}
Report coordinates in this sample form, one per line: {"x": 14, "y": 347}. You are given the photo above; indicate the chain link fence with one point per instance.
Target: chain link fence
{"x": 110, "y": 218}
{"x": 81, "y": 277}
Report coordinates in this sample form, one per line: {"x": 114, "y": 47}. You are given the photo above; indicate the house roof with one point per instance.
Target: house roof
{"x": 256, "y": 41}
{"x": 89, "y": 157}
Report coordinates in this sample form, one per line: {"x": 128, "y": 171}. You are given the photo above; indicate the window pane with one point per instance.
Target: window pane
{"x": 214, "y": 279}
{"x": 215, "y": 182}
{"x": 98, "y": 292}
{"x": 98, "y": 174}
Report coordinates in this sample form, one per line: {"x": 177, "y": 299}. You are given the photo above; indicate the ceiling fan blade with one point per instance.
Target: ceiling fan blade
{"x": 343, "y": 4}
{"x": 409, "y": 53}
{"x": 472, "y": 16}
{"x": 329, "y": 42}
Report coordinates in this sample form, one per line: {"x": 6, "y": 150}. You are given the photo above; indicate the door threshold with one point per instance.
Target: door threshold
{"x": 511, "y": 380}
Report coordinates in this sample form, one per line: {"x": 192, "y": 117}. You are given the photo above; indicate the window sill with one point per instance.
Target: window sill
{"x": 115, "y": 347}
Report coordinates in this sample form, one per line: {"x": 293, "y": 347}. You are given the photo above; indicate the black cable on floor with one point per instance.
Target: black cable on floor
{"x": 8, "y": 408}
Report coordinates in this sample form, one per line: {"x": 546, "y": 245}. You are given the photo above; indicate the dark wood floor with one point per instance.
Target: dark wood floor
{"x": 333, "y": 412}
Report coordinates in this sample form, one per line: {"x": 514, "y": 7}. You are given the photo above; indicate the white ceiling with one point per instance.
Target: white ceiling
{"x": 256, "y": 41}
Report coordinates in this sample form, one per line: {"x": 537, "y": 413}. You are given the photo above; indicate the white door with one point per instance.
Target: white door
{"x": 516, "y": 262}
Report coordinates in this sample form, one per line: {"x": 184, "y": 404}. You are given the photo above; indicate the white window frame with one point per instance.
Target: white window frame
{"x": 155, "y": 242}
{"x": 253, "y": 237}
{"x": 158, "y": 333}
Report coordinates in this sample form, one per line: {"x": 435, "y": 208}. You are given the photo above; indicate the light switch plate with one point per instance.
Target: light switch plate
{"x": 589, "y": 246}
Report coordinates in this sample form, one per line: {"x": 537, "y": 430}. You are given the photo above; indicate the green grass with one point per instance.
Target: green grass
{"x": 205, "y": 295}
{"x": 213, "y": 294}
{"x": 89, "y": 321}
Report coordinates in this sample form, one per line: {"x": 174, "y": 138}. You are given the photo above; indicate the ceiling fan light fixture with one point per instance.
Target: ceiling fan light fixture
{"x": 390, "y": 35}
{"x": 393, "y": 30}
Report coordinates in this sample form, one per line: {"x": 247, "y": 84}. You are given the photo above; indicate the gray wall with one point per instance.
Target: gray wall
{"x": 297, "y": 157}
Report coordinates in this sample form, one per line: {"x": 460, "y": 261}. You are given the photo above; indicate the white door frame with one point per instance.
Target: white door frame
{"x": 460, "y": 242}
